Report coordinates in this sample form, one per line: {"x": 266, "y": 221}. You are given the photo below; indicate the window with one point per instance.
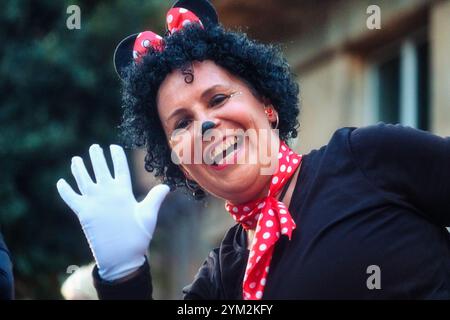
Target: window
{"x": 399, "y": 84}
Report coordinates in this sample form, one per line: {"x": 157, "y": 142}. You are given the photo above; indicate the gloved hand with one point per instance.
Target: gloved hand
{"x": 117, "y": 227}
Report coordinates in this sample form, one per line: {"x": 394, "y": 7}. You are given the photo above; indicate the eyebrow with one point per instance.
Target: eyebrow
{"x": 209, "y": 90}
{"x": 203, "y": 96}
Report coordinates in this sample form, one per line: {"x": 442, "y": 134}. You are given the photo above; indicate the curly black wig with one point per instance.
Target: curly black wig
{"x": 261, "y": 66}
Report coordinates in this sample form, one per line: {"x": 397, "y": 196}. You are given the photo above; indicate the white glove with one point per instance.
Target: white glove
{"x": 117, "y": 227}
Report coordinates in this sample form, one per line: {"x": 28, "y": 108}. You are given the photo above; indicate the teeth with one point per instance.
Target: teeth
{"x": 224, "y": 146}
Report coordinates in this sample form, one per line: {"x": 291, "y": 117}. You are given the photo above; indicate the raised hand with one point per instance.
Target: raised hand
{"x": 117, "y": 227}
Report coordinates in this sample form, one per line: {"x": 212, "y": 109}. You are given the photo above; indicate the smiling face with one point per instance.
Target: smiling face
{"x": 217, "y": 96}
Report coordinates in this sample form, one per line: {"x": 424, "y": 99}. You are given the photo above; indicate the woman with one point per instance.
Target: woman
{"x": 361, "y": 218}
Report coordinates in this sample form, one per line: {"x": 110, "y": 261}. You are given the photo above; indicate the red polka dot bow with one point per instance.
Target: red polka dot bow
{"x": 271, "y": 219}
{"x": 176, "y": 18}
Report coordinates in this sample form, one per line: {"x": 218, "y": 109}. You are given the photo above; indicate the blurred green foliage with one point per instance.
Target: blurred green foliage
{"x": 58, "y": 95}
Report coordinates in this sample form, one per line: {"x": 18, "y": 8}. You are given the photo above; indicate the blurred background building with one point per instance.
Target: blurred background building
{"x": 59, "y": 94}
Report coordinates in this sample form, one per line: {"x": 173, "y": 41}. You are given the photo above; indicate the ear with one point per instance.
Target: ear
{"x": 271, "y": 113}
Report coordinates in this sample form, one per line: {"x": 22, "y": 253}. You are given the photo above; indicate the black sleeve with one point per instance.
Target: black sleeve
{"x": 139, "y": 287}
{"x": 6, "y": 274}
{"x": 204, "y": 286}
{"x": 409, "y": 165}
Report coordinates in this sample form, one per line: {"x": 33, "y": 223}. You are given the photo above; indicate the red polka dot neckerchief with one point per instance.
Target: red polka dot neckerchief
{"x": 270, "y": 218}
{"x": 176, "y": 19}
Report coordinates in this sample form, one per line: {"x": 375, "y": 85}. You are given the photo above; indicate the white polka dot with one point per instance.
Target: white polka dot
{"x": 261, "y": 205}
{"x": 269, "y": 223}
{"x": 283, "y": 220}
{"x": 275, "y": 180}
{"x": 257, "y": 216}
{"x": 267, "y": 269}
{"x": 146, "y": 43}
{"x": 287, "y": 159}
{"x": 282, "y": 168}
{"x": 266, "y": 235}
{"x": 290, "y": 152}
{"x": 186, "y": 22}
{"x": 135, "y": 54}
{"x": 282, "y": 211}
{"x": 182, "y": 10}
{"x": 257, "y": 259}
{"x": 263, "y": 247}
{"x": 248, "y": 295}
{"x": 169, "y": 18}
{"x": 252, "y": 285}
{"x": 263, "y": 281}
{"x": 280, "y": 155}
{"x": 289, "y": 169}
{"x": 259, "y": 294}
{"x": 283, "y": 148}
{"x": 284, "y": 230}
{"x": 235, "y": 209}
{"x": 271, "y": 212}
{"x": 246, "y": 209}
{"x": 294, "y": 161}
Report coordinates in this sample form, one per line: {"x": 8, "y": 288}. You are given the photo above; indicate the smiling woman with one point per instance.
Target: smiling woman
{"x": 310, "y": 228}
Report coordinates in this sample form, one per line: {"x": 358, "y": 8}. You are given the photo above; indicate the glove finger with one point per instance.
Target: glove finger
{"x": 121, "y": 170}
{"x": 150, "y": 206}
{"x": 81, "y": 175}
{"x": 70, "y": 197}
{"x": 99, "y": 165}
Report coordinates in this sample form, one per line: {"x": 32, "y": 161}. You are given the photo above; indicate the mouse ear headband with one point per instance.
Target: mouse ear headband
{"x": 183, "y": 12}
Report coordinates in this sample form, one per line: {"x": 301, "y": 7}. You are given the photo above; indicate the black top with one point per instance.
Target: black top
{"x": 374, "y": 196}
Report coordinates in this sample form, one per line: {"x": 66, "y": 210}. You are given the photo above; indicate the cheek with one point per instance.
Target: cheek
{"x": 249, "y": 115}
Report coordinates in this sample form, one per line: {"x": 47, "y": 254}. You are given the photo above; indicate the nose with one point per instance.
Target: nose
{"x": 206, "y": 125}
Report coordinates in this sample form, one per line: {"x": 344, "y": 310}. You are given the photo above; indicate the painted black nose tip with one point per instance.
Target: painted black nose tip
{"x": 206, "y": 126}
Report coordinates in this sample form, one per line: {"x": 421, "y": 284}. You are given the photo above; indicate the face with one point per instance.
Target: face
{"x": 232, "y": 166}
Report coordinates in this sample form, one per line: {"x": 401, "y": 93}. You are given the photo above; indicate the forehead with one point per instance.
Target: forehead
{"x": 174, "y": 89}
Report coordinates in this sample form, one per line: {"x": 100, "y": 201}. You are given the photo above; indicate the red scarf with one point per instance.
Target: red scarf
{"x": 270, "y": 218}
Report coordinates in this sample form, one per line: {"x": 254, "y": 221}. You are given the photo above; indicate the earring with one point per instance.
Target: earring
{"x": 278, "y": 121}
{"x": 269, "y": 112}
{"x": 197, "y": 192}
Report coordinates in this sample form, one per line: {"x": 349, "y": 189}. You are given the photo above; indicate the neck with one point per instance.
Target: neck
{"x": 286, "y": 200}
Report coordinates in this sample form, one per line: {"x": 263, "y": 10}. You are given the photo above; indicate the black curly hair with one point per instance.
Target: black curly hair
{"x": 261, "y": 66}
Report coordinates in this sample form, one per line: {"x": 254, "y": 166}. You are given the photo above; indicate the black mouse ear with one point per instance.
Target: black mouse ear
{"x": 203, "y": 9}
{"x": 123, "y": 55}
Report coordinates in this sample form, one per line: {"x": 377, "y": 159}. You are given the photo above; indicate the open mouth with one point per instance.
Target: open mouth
{"x": 221, "y": 153}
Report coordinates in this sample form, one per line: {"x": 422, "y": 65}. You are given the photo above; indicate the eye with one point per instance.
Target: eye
{"x": 183, "y": 123}
{"x": 218, "y": 99}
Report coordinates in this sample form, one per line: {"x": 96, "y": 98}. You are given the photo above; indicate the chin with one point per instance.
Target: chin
{"x": 237, "y": 184}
